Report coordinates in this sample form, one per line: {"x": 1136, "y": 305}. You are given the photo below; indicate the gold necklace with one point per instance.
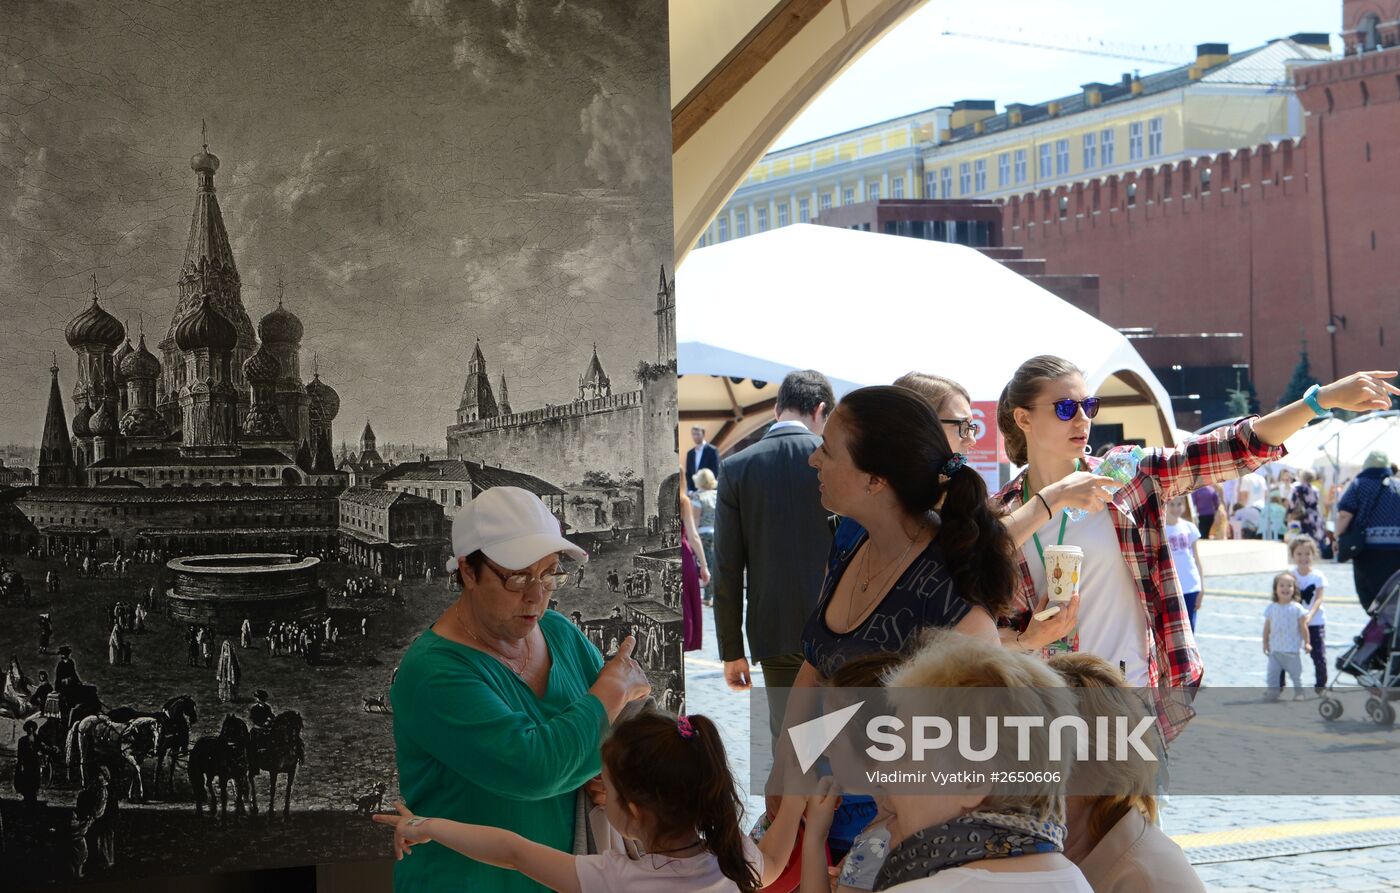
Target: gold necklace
{"x": 866, "y": 585}
{"x": 457, "y": 612}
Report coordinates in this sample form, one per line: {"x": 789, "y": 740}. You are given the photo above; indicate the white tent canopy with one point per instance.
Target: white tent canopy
{"x": 1348, "y": 444}
{"x": 866, "y": 307}
{"x": 1306, "y": 447}
{"x": 741, "y": 71}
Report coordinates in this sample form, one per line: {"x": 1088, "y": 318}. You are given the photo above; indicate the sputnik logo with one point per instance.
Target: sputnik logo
{"x": 811, "y": 738}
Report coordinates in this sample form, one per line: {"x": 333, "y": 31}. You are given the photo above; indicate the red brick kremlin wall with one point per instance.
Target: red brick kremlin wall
{"x": 1353, "y": 145}
{"x": 1182, "y": 255}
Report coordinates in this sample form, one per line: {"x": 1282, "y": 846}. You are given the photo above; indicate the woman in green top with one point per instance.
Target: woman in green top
{"x": 501, "y": 706}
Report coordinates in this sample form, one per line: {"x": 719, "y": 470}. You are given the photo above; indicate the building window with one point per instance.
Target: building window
{"x": 930, "y": 185}
{"x": 946, "y": 181}
{"x": 826, "y": 201}
{"x": 723, "y": 234}
{"x": 762, "y": 219}
{"x": 1061, "y": 157}
{"x": 1135, "y": 141}
{"x": 804, "y": 210}
{"x": 1045, "y": 155}
{"x": 1020, "y": 165}
{"x": 964, "y": 178}
{"x": 979, "y": 175}
{"x": 1003, "y": 169}
{"x": 1106, "y": 147}
{"x": 783, "y": 215}
{"x": 897, "y": 187}
{"x": 459, "y": 498}
{"x": 848, "y": 196}
{"x": 872, "y": 192}
{"x": 741, "y": 224}
{"x": 1154, "y": 137}
{"x": 1091, "y": 151}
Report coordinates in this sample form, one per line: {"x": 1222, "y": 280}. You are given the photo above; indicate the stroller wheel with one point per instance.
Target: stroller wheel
{"x": 1380, "y": 712}
{"x": 1330, "y": 709}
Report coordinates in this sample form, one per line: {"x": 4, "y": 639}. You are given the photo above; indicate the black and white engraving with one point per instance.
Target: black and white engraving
{"x": 285, "y": 286}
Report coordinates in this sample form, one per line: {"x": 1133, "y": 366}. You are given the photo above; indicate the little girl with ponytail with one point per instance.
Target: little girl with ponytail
{"x": 668, "y": 787}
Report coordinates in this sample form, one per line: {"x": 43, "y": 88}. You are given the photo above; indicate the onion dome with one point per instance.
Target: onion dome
{"x": 205, "y": 327}
{"x": 204, "y": 161}
{"x": 281, "y": 326}
{"x": 120, "y": 354}
{"x": 80, "y": 421}
{"x": 103, "y": 422}
{"x": 94, "y": 326}
{"x": 140, "y": 364}
{"x": 325, "y": 397}
{"x": 262, "y": 367}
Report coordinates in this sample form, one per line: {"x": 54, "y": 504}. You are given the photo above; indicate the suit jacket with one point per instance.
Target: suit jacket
{"x": 770, "y": 524}
{"x": 709, "y": 458}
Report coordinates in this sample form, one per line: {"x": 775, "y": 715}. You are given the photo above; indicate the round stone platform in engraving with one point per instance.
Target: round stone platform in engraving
{"x": 224, "y": 590}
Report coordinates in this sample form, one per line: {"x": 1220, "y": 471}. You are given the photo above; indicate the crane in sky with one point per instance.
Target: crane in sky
{"x": 1084, "y": 51}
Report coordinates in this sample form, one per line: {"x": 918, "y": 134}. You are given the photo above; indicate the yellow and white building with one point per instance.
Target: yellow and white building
{"x": 1219, "y": 102}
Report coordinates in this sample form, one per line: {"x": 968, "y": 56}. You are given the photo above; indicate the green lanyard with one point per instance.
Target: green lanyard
{"x": 1064, "y": 515}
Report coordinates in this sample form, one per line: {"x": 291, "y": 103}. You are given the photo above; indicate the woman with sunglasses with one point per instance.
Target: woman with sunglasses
{"x": 501, "y": 706}
{"x": 1132, "y": 614}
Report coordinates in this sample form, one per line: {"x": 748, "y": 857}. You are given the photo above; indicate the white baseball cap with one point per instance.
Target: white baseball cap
{"x": 512, "y": 527}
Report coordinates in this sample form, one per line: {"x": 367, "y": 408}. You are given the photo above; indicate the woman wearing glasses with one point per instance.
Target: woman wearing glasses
{"x": 1133, "y": 614}
{"x": 501, "y": 706}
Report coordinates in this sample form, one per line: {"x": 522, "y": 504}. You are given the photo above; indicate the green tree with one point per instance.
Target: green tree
{"x": 1302, "y": 378}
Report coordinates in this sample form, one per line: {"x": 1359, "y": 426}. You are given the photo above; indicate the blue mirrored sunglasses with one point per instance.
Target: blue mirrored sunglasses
{"x": 1065, "y": 409}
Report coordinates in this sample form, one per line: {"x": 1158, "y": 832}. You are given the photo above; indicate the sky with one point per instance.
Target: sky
{"x": 419, "y": 172}
{"x": 916, "y": 66}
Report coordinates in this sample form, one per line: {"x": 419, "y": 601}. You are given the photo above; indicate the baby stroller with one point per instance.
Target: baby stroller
{"x": 1374, "y": 659}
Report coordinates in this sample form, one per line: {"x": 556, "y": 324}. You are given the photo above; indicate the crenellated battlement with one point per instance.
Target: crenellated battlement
{"x": 1258, "y": 169}
{"x": 546, "y": 413}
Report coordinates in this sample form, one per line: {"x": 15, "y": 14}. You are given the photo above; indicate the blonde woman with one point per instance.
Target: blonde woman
{"x": 1114, "y": 838}
{"x": 972, "y": 839}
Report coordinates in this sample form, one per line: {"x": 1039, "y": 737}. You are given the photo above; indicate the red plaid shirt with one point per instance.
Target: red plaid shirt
{"x": 1173, "y": 661}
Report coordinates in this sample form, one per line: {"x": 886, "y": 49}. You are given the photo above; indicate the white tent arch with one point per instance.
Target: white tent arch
{"x": 865, "y": 308}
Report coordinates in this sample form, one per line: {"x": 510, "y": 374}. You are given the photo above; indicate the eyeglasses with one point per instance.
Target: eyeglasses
{"x": 965, "y": 427}
{"x": 519, "y": 582}
{"x": 1065, "y": 409}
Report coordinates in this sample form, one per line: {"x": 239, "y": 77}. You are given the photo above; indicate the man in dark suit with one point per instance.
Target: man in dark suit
{"x": 771, "y": 525}
{"x": 702, "y": 455}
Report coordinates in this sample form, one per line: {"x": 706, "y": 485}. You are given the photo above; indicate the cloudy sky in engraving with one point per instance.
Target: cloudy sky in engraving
{"x": 421, "y": 172}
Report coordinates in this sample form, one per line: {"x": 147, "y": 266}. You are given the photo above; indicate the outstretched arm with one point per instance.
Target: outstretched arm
{"x": 1359, "y": 392}
{"x": 493, "y": 846}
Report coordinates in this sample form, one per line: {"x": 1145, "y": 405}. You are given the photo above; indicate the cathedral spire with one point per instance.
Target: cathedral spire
{"x": 208, "y": 240}
{"x": 56, "y": 468}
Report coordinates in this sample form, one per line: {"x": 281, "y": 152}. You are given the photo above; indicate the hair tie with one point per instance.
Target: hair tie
{"x": 953, "y": 465}
{"x": 684, "y": 727}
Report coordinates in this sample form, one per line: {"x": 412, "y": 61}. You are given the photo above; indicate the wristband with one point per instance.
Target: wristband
{"x": 1310, "y": 398}
{"x": 1049, "y": 511}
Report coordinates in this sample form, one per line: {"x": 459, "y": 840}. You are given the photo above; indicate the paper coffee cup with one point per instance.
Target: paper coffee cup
{"x": 1064, "y": 566}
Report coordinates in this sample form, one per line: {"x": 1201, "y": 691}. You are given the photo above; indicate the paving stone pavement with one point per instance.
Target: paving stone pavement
{"x": 1228, "y": 630}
